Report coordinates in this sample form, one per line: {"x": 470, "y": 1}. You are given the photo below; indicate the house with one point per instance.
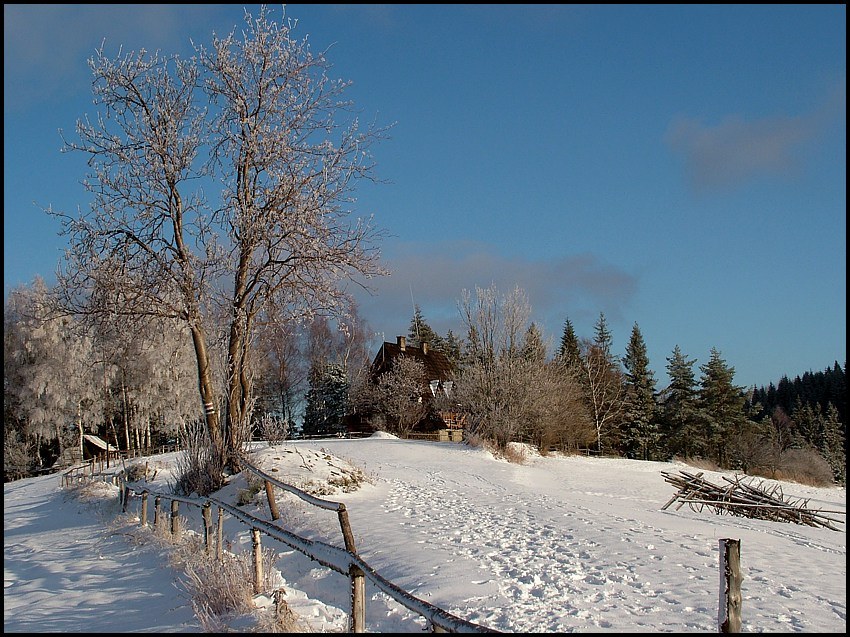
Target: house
{"x": 439, "y": 373}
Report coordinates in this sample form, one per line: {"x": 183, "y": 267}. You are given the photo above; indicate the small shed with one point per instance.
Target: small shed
{"x": 97, "y": 447}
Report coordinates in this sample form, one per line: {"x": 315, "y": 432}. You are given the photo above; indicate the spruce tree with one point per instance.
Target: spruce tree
{"x": 723, "y": 405}
{"x": 420, "y": 332}
{"x": 602, "y": 335}
{"x": 533, "y": 347}
{"x": 680, "y": 410}
{"x": 569, "y": 352}
{"x": 640, "y": 426}
{"x": 603, "y": 386}
{"x": 832, "y": 444}
{"x": 453, "y": 348}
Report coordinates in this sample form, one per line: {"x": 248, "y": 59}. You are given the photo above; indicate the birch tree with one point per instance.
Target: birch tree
{"x": 256, "y": 121}
{"x": 604, "y": 389}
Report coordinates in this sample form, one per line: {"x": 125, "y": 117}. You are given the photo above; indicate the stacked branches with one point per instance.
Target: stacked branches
{"x": 742, "y": 499}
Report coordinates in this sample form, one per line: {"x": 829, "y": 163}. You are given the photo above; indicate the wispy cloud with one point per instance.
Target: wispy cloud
{"x": 45, "y": 47}
{"x": 737, "y": 150}
{"x": 434, "y": 276}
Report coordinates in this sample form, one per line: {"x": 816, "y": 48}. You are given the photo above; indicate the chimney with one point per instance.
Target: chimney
{"x": 401, "y": 343}
{"x": 425, "y": 349}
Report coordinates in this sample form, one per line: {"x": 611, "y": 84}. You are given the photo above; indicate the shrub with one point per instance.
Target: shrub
{"x": 199, "y": 468}
{"x": 804, "y": 466}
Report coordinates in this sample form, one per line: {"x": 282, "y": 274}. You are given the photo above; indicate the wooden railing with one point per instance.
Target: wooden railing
{"x": 345, "y": 561}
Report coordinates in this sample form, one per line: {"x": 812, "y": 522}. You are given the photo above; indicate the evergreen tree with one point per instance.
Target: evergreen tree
{"x": 723, "y": 406}
{"x": 327, "y": 401}
{"x": 533, "y": 347}
{"x": 640, "y": 427}
{"x": 807, "y": 424}
{"x": 832, "y": 444}
{"x": 603, "y": 385}
{"x": 453, "y": 348}
{"x": 569, "y": 352}
{"x": 602, "y": 335}
{"x": 680, "y": 409}
{"x": 420, "y": 332}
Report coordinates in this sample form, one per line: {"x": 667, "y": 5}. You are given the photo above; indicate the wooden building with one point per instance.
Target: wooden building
{"x": 439, "y": 375}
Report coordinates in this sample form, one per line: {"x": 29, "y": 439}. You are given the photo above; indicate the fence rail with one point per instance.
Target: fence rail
{"x": 345, "y": 560}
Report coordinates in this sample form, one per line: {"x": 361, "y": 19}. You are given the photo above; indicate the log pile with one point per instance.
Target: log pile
{"x": 745, "y": 499}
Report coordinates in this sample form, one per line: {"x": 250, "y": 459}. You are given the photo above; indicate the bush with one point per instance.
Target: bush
{"x": 135, "y": 472}
{"x": 805, "y": 466}
{"x": 199, "y": 467}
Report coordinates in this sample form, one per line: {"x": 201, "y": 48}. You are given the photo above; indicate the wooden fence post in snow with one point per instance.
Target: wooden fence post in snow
{"x": 175, "y": 525}
{"x": 358, "y": 599}
{"x": 345, "y": 525}
{"x": 156, "y": 508}
{"x": 272, "y": 503}
{"x": 143, "y": 515}
{"x": 729, "y": 616}
{"x": 207, "y": 526}
{"x": 258, "y": 561}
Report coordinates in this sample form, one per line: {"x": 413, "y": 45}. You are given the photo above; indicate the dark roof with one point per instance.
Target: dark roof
{"x": 437, "y": 364}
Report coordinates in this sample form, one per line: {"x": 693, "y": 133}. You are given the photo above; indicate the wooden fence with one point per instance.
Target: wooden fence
{"x": 345, "y": 561}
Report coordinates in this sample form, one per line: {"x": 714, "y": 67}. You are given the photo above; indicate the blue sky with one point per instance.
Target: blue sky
{"x": 679, "y": 167}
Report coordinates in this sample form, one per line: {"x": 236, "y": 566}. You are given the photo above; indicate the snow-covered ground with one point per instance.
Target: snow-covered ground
{"x": 557, "y": 544}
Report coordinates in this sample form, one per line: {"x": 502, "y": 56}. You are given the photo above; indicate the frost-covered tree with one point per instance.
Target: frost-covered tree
{"x": 55, "y": 383}
{"x": 400, "y": 395}
{"x": 258, "y": 117}
{"x": 494, "y": 385}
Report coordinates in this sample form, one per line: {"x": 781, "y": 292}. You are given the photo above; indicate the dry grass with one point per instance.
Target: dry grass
{"x": 222, "y": 592}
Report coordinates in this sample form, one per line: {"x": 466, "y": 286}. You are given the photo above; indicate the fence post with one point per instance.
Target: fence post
{"x": 347, "y": 535}
{"x": 126, "y": 498}
{"x": 272, "y": 503}
{"x": 258, "y": 561}
{"x": 144, "y": 512}
{"x": 729, "y": 616}
{"x": 207, "y": 526}
{"x": 175, "y": 526}
{"x": 220, "y": 538}
{"x": 358, "y": 599}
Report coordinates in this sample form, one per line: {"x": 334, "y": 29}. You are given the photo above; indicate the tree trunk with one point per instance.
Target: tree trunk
{"x": 126, "y": 411}
{"x": 205, "y": 386}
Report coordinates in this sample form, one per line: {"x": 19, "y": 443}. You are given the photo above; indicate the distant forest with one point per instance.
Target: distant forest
{"x": 815, "y": 390}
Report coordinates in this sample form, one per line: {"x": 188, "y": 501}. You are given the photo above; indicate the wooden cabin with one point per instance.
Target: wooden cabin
{"x": 439, "y": 373}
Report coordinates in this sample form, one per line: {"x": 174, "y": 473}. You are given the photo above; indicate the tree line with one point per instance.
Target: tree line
{"x": 587, "y": 397}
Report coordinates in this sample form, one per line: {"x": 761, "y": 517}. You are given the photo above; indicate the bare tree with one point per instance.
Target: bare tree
{"x": 400, "y": 395}
{"x": 258, "y": 116}
{"x": 496, "y": 385}
{"x": 604, "y": 389}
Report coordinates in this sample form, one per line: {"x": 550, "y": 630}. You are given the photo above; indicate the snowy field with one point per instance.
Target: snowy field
{"x": 557, "y": 544}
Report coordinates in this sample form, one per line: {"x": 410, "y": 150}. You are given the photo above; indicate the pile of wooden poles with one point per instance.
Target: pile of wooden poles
{"x": 745, "y": 500}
